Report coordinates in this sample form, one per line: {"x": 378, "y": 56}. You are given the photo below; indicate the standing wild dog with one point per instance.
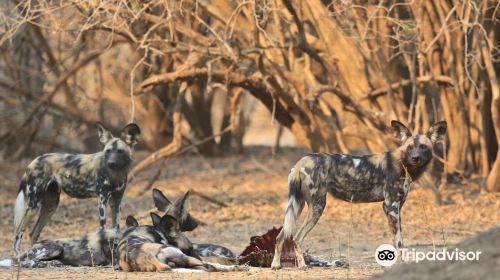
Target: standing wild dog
{"x": 373, "y": 178}
{"x": 102, "y": 175}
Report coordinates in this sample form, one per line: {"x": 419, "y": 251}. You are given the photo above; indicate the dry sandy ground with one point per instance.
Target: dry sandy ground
{"x": 254, "y": 188}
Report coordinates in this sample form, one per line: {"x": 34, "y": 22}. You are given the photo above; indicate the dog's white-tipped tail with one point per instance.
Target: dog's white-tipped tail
{"x": 295, "y": 202}
{"x": 19, "y": 209}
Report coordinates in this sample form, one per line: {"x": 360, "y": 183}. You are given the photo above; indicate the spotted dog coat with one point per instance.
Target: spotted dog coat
{"x": 372, "y": 178}
{"x": 92, "y": 249}
{"x": 157, "y": 247}
{"x": 213, "y": 250}
{"x": 102, "y": 175}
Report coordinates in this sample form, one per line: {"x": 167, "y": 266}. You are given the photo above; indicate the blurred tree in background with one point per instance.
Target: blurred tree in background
{"x": 334, "y": 72}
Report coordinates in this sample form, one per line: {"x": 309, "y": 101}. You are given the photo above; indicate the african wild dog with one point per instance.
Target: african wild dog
{"x": 373, "y": 178}
{"x": 189, "y": 223}
{"x": 102, "y": 175}
{"x": 157, "y": 247}
{"x": 92, "y": 249}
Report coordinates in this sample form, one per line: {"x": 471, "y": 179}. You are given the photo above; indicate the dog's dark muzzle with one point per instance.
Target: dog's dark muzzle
{"x": 117, "y": 161}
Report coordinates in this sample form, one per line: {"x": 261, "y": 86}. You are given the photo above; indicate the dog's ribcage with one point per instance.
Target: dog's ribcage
{"x": 350, "y": 178}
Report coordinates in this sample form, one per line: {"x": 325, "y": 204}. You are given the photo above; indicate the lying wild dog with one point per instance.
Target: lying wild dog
{"x": 157, "y": 247}
{"x": 142, "y": 252}
{"x": 212, "y": 252}
{"x": 373, "y": 178}
{"x": 102, "y": 175}
{"x": 91, "y": 249}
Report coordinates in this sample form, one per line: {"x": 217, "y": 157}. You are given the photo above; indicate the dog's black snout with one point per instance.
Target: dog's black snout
{"x": 113, "y": 165}
{"x": 415, "y": 158}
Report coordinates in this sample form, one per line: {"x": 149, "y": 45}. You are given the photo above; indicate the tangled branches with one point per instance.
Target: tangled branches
{"x": 321, "y": 67}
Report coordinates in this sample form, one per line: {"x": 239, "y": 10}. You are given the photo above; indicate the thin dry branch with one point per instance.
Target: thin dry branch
{"x": 394, "y": 86}
{"x": 46, "y": 100}
{"x": 176, "y": 143}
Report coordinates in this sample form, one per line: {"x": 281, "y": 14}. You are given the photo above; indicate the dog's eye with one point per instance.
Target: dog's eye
{"x": 423, "y": 147}
{"x": 120, "y": 151}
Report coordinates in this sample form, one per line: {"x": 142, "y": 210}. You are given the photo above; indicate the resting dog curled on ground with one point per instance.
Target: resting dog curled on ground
{"x": 382, "y": 177}
{"x": 102, "y": 175}
{"x": 157, "y": 247}
{"x": 206, "y": 251}
{"x": 162, "y": 247}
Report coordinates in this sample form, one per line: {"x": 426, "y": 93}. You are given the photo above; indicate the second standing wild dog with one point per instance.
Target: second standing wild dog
{"x": 102, "y": 175}
{"x": 373, "y": 178}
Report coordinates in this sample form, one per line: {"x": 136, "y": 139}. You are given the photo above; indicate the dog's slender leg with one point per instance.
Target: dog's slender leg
{"x": 301, "y": 263}
{"x": 280, "y": 240}
{"x": 315, "y": 210}
{"x": 49, "y": 203}
{"x": 114, "y": 203}
{"x": 42, "y": 220}
{"x": 44, "y": 251}
{"x": 304, "y": 223}
{"x": 103, "y": 200}
{"x": 392, "y": 210}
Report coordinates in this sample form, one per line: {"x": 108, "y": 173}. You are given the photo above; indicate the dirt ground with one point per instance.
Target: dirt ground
{"x": 253, "y": 186}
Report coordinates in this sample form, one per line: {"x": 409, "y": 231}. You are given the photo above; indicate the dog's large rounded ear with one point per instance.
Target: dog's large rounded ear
{"x": 131, "y": 134}
{"x": 131, "y": 222}
{"x": 168, "y": 222}
{"x": 189, "y": 223}
{"x": 186, "y": 221}
{"x": 103, "y": 133}
{"x": 160, "y": 200}
{"x": 437, "y": 131}
{"x": 156, "y": 219}
{"x": 401, "y": 132}
{"x": 179, "y": 204}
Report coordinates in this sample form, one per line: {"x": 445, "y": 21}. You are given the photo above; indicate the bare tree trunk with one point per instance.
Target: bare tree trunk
{"x": 493, "y": 181}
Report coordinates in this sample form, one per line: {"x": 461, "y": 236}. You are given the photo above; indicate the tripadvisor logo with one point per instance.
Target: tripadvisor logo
{"x": 386, "y": 255}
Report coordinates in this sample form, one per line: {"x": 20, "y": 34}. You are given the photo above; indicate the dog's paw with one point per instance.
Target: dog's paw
{"x": 303, "y": 267}
{"x": 275, "y": 266}
{"x": 340, "y": 264}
